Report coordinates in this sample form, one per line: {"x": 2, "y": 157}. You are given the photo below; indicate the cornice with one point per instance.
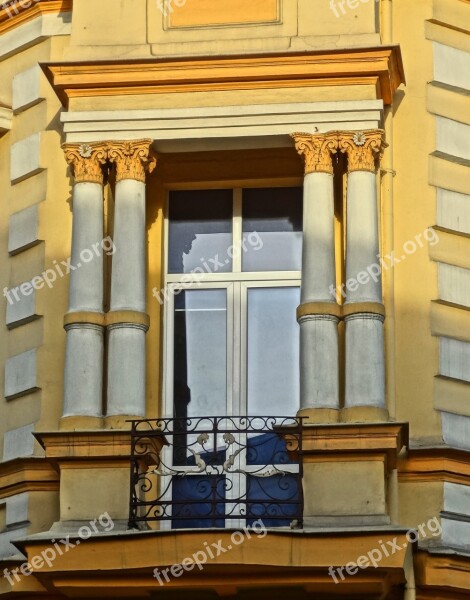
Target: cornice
{"x": 27, "y": 475}
{"x": 381, "y": 66}
{"x": 435, "y": 464}
{"x": 349, "y": 440}
{"x": 9, "y": 20}
{"x": 443, "y": 571}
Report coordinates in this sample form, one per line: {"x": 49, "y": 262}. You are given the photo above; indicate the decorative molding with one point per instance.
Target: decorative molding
{"x": 92, "y": 318}
{"x": 435, "y": 464}
{"x": 319, "y": 308}
{"x": 381, "y": 67}
{"x": 116, "y": 317}
{"x": 27, "y": 475}
{"x": 441, "y": 571}
{"x": 13, "y": 16}
{"x": 316, "y": 151}
{"x": 356, "y": 308}
{"x": 363, "y": 148}
{"x": 132, "y": 159}
{"x": 351, "y": 440}
{"x": 301, "y": 560}
{"x": 86, "y": 161}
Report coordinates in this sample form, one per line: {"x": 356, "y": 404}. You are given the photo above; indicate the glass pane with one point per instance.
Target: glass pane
{"x": 272, "y": 229}
{"x": 200, "y": 230}
{"x": 200, "y": 353}
{"x": 273, "y": 351}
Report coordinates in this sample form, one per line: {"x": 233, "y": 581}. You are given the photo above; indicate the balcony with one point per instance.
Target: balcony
{"x": 216, "y": 472}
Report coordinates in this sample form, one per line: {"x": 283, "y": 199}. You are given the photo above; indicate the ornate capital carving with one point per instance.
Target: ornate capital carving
{"x": 316, "y": 150}
{"x": 132, "y": 159}
{"x": 86, "y": 161}
{"x": 364, "y": 148}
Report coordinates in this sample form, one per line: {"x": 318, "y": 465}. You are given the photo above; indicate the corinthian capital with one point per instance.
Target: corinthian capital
{"x": 316, "y": 150}
{"x": 364, "y": 148}
{"x": 132, "y": 159}
{"x": 86, "y": 161}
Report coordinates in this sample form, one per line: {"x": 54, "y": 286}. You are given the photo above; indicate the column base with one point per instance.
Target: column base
{"x": 80, "y": 423}
{"x": 364, "y": 414}
{"x": 319, "y": 415}
{"x": 120, "y": 421}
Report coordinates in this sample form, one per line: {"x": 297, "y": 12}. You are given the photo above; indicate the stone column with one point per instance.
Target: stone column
{"x": 363, "y": 311}
{"x": 84, "y": 321}
{"x": 127, "y": 321}
{"x": 318, "y": 314}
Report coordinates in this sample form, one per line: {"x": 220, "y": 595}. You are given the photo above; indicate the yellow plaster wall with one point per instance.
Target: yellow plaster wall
{"x": 50, "y": 190}
{"x": 415, "y": 278}
{"x": 190, "y": 27}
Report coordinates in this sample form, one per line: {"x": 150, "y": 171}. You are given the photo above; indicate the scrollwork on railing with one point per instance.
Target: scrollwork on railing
{"x": 199, "y": 472}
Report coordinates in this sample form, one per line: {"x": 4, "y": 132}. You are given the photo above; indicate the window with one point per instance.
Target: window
{"x": 233, "y": 286}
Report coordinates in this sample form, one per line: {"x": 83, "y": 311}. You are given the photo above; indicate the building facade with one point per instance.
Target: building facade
{"x": 235, "y": 265}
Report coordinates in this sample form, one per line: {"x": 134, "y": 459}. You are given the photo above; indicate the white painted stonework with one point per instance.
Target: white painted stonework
{"x": 365, "y": 372}
{"x": 318, "y": 248}
{"x": 454, "y": 284}
{"x": 454, "y": 358}
{"x": 25, "y": 158}
{"x": 456, "y": 430}
{"x": 18, "y": 442}
{"x": 34, "y": 31}
{"x": 319, "y": 379}
{"x": 17, "y": 509}
{"x": 451, "y": 66}
{"x": 456, "y": 524}
{"x": 83, "y": 378}
{"x": 86, "y": 282}
{"x": 23, "y": 229}
{"x": 196, "y": 128}
{"x": 128, "y": 282}
{"x": 453, "y": 137}
{"x": 319, "y": 382}
{"x": 453, "y": 210}
{"x": 126, "y": 370}
{"x": 21, "y": 311}
{"x": 20, "y": 374}
{"x": 16, "y": 524}
{"x": 362, "y": 236}
{"x": 27, "y": 89}
{"x": 126, "y": 350}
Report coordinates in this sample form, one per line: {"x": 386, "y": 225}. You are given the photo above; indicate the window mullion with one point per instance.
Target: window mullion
{"x": 237, "y": 230}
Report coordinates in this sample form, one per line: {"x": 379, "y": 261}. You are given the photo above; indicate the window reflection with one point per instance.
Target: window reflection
{"x": 200, "y": 229}
{"x": 276, "y": 215}
{"x": 273, "y": 351}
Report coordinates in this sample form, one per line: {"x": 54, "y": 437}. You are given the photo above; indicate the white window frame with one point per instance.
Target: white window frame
{"x": 237, "y": 283}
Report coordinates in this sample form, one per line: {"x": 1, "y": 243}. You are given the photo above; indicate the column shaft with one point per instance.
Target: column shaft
{"x": 363, "y": 310}
{"x": 84, "y": 322}
{"x": 128, "y": 322}
{"x": 318, "y": 313}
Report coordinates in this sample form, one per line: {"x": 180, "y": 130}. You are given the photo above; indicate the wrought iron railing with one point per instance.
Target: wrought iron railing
{"x": 216, "y": 472}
